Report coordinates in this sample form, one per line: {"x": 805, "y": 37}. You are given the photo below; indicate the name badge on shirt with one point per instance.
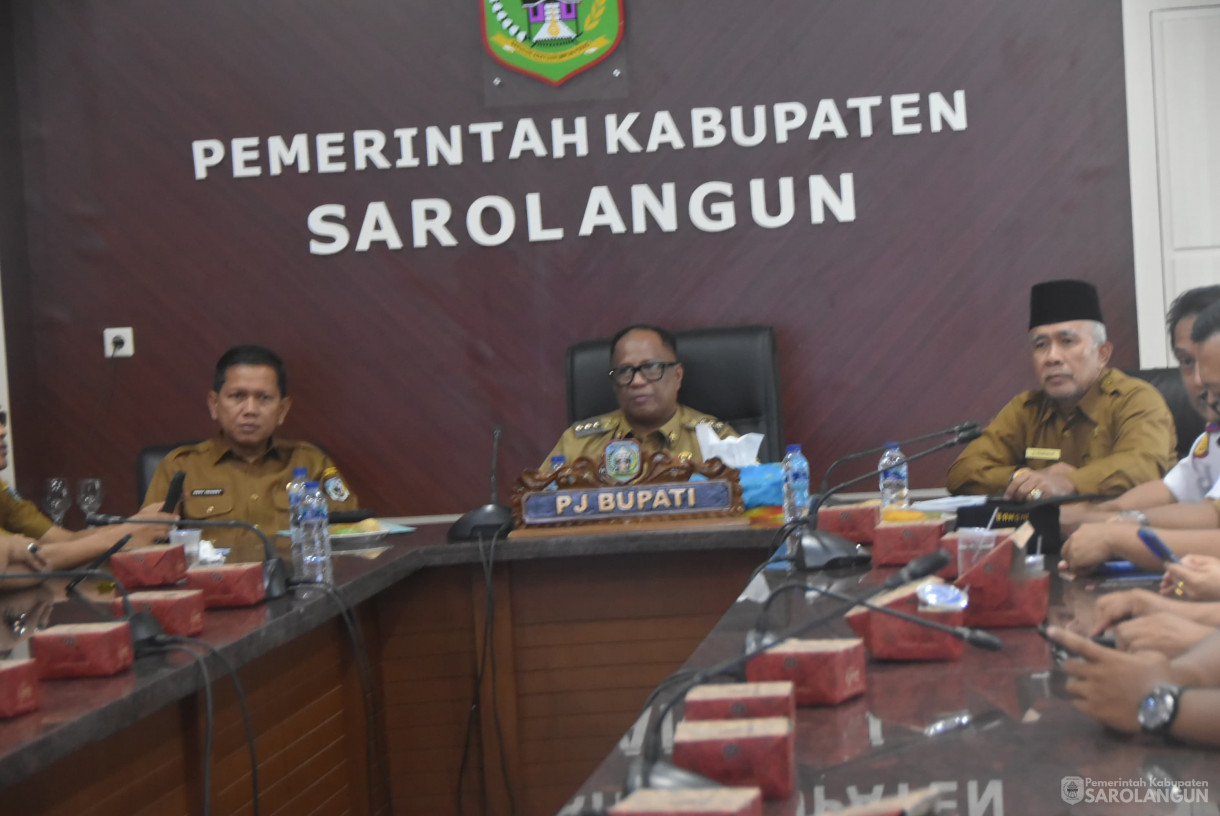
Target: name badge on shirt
{"x": 1050, "y": 454}
{"x": 209, "y": 491}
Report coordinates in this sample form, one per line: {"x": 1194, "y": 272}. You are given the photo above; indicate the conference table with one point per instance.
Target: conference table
{"x": 995, "y": 732}
{"x": 513, "y": 677}
{"x": 578, "y": 629}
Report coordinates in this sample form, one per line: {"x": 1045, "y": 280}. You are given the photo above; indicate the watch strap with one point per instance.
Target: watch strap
{"x": 1174, "y": 693}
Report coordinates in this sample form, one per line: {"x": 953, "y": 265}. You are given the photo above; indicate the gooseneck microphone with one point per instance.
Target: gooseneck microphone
{"x": 97, "y": 562}
{"x": 145, "y": 630}
{"x": 173, "y": 494}
{"x": 276, "y": 572}
{"x": 931, "y": 563}
{"x": 490, "y": 520}
{"x": 915, "y": 569}
{"x": 822, "y": 550}
{"x": 953, "y": 430}
{"x": 648, "y": 771}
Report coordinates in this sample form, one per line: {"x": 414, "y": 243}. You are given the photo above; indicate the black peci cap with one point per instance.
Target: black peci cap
{"x": 1059, "y": 301}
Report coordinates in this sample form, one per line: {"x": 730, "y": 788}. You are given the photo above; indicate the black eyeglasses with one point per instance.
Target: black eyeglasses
{"x": 3, "y": 417}
{"x": 652, "y": 371}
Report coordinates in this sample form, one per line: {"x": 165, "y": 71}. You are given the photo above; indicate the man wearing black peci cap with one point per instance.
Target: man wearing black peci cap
{"x": 1088, "y": 429}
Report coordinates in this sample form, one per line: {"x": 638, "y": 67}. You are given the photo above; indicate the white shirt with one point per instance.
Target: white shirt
{"x": 1194, "y": 479}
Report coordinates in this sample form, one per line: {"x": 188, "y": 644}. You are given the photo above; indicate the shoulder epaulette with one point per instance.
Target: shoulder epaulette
{"x": 590, "y": 427}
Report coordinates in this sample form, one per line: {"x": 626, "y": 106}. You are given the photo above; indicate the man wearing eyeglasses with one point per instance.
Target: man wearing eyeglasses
{"x": 1185, "y": 528}
{"x": 646, "y": 376}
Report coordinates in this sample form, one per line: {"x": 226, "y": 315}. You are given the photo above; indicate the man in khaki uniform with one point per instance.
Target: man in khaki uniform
{"x": 1088, "y": 430}
{"x": 244, "y": 472}
{"x": 646, "y": 376}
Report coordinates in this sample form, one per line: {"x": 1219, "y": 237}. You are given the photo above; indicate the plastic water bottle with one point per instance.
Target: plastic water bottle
{"x": 296, "y": 494}
{"x": 317, "y": 567}
{"x": 894, "y": 481}
{"x": 796, "y": 484}
{"x": 557, "y": 461}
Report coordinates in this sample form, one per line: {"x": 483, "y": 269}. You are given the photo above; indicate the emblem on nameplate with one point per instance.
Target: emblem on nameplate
{"x": 622, "y": 460}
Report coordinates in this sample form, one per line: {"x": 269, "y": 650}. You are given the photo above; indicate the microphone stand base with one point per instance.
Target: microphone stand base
{"x": 823, "y": 550}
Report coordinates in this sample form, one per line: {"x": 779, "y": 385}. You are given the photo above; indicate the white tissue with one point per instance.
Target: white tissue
{"x": 736, "y": 452}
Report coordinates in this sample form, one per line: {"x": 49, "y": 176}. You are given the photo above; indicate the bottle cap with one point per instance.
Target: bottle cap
{"x": 891, "y": 445}
{"x": 299, "y": 473}
{"x": 794, "y": 449}
{"x": 557, "y": 460}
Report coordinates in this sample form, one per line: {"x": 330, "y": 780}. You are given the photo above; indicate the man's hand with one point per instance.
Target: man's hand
{"x": 1092, "y": 545}
{"x": 1051, "y": 481}
{"x": 1116, "y": 607}
{"x": 1161, "y": 632}
{"x": 1108, "y": 685}
{"x": 1197, "y": 578}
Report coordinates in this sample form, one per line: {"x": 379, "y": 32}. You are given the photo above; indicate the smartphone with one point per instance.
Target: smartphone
{"x": 1157, "y": 546}
{"x": 1062, "y": 653}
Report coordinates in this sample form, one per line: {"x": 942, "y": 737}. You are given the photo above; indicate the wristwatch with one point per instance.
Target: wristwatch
{"x": 1159, "y": 709}
{"x": 1138, "y": 516}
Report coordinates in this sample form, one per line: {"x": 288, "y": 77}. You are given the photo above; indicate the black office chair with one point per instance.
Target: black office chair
{"x": 148, "y": 459}
{"x": 1187, "y": 421}
{"x": 731, "y": 373}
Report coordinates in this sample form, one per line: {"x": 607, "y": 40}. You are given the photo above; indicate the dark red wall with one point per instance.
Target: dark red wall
{"x": 909, "y": 318}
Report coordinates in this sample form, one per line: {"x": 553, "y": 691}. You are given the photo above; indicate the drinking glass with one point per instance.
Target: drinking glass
{"x": 89, "y": 495}
{"x": 56, "y": 499}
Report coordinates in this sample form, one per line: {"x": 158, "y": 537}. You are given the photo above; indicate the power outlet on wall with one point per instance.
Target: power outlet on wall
{"x": 118, "y": 342}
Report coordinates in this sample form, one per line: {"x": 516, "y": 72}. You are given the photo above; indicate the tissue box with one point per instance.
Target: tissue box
{"x": 695, "y": 802}
{"x": 889, "y": 638}
{"x": 149, "y": 566}
{"x": 824, "y": 672}
{"x": 733, "y": 701}
{"x": 740, "y": 752}
{"x": 179, "y": 611}
{"x": 229, "y": 584}
{"x": 1001, "y": 594}
{"x": 855, "y": 522}
{"x": 18, "y": 687}
{"x": 83, "y": 649}
{"x": 897, "y": 542}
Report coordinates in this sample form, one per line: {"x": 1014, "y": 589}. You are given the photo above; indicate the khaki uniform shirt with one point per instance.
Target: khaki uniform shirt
{"x": 21, "y": 516}
{"x": 676, "y": 437}
{"x": 1120, "y": 434}
{"x": 222, "y": 485}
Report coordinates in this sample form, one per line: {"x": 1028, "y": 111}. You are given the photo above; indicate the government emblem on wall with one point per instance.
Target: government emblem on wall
{"x": 551, "y": 40}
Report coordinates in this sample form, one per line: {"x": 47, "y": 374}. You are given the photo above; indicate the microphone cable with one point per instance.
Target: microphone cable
{"x": 208, "y": 719}
{"x": 377, "y": 766}
{"x": 487, "y": 657}
{"x": 174, "y": 641}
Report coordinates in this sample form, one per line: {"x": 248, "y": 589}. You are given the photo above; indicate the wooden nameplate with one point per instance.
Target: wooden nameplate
{"x": 578, "y": 494}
